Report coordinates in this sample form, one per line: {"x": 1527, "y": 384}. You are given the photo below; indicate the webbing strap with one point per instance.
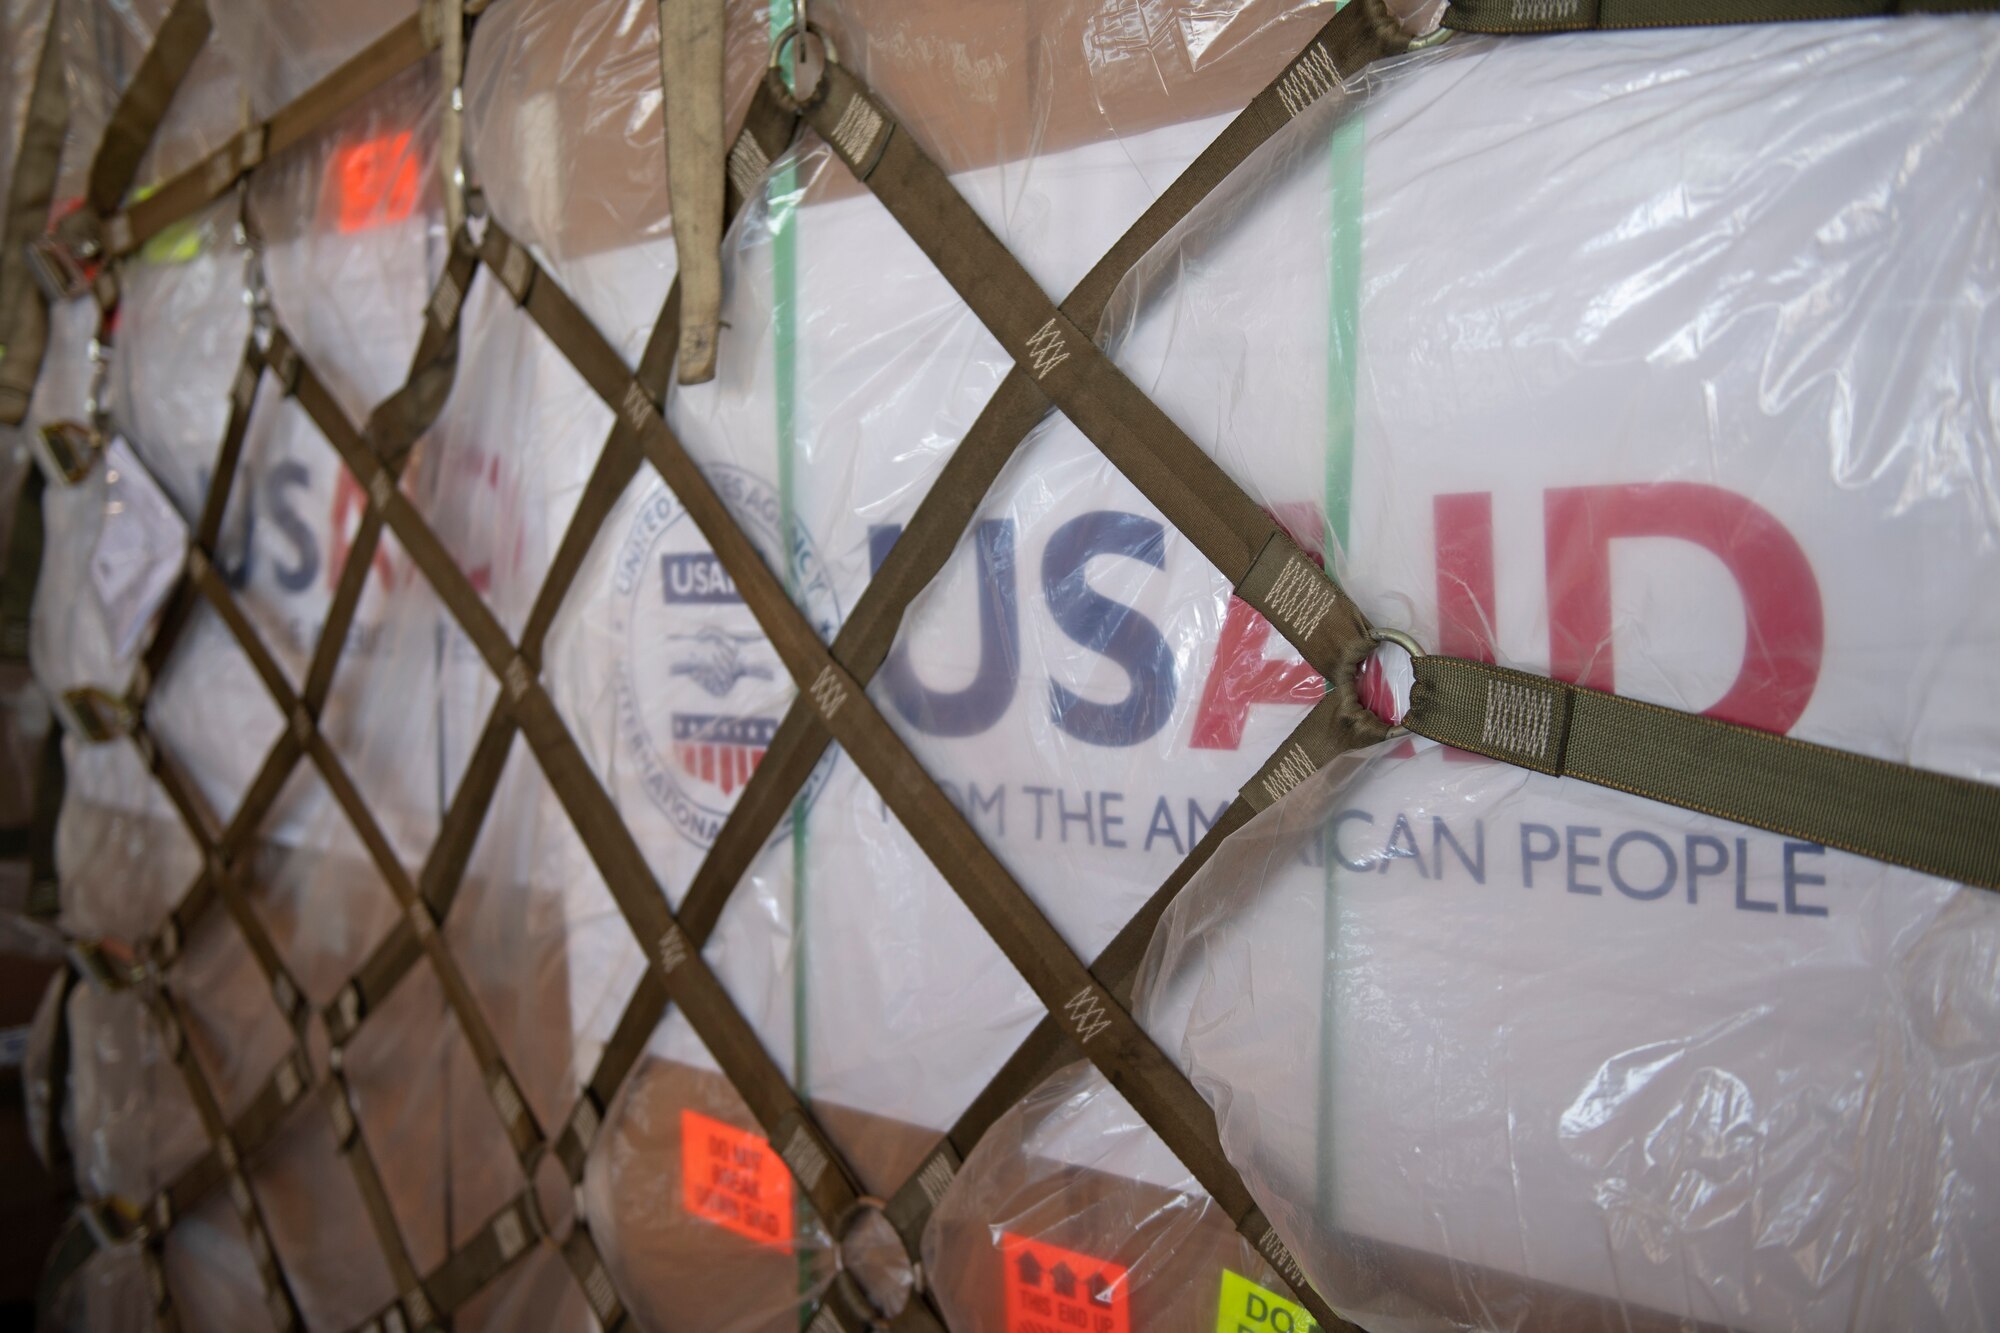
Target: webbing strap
{"x": 1108, "y": 1034}
{"x": 1356, "y": 34}
{"x": 173, "y": 1019}
{"x": 74, "y": 1247}
{"x": 255, "y": 1126}
{"x": 1532, "y": 16}
{"x": 143, "y": 104}
{"x": 23, "y": 569}
{"x": 1188, "y": 487}
{"x": 823, "y": 1178}
{"x": 691, "y": 33}
{"x": 183, "y": 195}
{"x": 866, "y": 636}
{"x": 1892, "y": 812}
{"x": 24, "y": 312}
{"x": 586, "y": 1264}
{"x": 768, "y": 126}
{"x": 444, "y": 869}
{"x": 1268, "y": 569}
{"x": 506, "y": 1235}
{"x": 299, "y": 739}
{"x": 500, "y": 1083}
{"x": 1790, "y": 787}
{"x": 1325, "y": 732}
{"x": 591, "y": 809}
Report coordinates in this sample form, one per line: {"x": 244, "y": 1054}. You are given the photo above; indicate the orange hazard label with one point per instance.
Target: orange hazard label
{"x": 376, "y": 181}
{"x": 1053, "y": 1290}
{"x": 731, "y": 1177}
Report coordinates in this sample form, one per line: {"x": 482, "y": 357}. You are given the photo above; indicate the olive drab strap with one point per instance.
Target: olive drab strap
{"x": 183, "y": 195}
{"x": 24, "y": 310}
{"x": 143, "y": 105}
{"x": 1873, "y": 807}
{"x": 691, "y": 33}
{"x": 1939, "y": 824}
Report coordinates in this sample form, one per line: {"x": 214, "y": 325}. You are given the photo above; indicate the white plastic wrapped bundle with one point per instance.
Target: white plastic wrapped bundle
{"x": 349, "y": 235}
{"x": 1701, "y": 357}
{"x": 1565, "y": 1042}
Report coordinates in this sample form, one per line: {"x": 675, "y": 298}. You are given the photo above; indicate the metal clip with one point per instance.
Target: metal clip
{"x": 96, "y": 965}
{"x": 66, "y": 451}
{"x": 60, "y": 272}
{"x": 96, "y": 715}
{"x": 113, "y": 1222}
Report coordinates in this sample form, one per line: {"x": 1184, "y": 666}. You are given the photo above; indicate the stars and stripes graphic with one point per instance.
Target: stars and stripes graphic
{"x": 720, "y": 750}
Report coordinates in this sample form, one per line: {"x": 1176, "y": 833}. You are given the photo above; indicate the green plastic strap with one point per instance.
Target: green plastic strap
{"x": 1524, "y": 16}
{"x": 1932, "y": 822}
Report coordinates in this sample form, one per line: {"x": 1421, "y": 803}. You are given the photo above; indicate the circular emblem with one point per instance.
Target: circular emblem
{"x": 699, "y": 691}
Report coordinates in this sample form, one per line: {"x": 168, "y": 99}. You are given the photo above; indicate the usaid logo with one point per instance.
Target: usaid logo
{"x": 698, "y": 691}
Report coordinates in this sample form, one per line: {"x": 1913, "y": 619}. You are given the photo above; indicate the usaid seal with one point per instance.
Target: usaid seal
{"x": 700, "y": 691}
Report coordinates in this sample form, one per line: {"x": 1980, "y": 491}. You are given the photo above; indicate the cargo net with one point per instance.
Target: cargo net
{"x": 1056, "y": 365}
{"x": 1086, "y": 1000}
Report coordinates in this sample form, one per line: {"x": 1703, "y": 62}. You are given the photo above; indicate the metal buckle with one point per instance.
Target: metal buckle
{"x": 88, "y": 958}
{"x": 96, "y": 715}
{"x": 67, "y": 450}
{"x": 113, "y": 1222}
{"x": 60, "y": 272}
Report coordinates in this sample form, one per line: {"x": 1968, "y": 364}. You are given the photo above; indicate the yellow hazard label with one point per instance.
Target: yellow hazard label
{"x": 1246, "y": 1307}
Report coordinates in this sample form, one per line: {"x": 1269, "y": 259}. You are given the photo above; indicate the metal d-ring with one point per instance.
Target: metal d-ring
{"x": 790, "y": 33}
{"x": 842, "y": 1227}
{"x": 797, "y": 31}
{"x": 1400, "y": 639}
{"x": 1408, "y": 645}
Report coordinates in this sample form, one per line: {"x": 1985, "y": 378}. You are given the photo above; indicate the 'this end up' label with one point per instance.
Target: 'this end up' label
{"x": 1053, "y": 1290}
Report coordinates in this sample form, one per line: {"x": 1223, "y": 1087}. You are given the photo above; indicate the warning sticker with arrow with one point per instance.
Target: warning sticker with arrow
{"x": 1053, "y": 1290}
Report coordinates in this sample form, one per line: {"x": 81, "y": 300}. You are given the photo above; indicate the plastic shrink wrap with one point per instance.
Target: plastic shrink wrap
{"x": 346, "y": 232}
{"x": 1496, "y": 1050}
{"x": 1738, "y": 269}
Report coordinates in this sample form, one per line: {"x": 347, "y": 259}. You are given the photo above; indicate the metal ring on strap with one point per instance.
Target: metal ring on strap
{"x": 1408, "y": 645}
{"x": 796, "y": 32}
{"x": 1400, "y": 639}
{"x": 846, "y": 1284}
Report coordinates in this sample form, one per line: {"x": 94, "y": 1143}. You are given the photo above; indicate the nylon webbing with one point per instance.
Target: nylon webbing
{"x": 1057, "y": 363}
{"x": 218, "y": 878}
{"x": 727, "y": 1036}
{"x": 184, "y": 195}
{"x": 1358, "y": 33}
{"x": 143, "y": 104}
{"x": 1108, "y": 1033}
{"x": 1326, "y": 732}
{"x": 24, "y": 312}
{"x": 1187, "y": 486}
{"x": 1731, "y": 772}
{"x": 1941, "y": 825}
